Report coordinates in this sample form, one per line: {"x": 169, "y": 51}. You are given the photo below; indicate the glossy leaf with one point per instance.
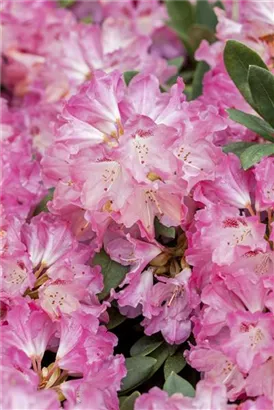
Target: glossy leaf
{"x": 261, "y": 83}
{"x": 66, "y": 3}
{"x": 146, "y": 345}
{"x": 129, "y": 75}
{"x": 198, "y": 33}
{"x": 162, "y": 230}
{"x": 128, "y": 403}
{"x": 177, "y": 62}
{"x": 42, "y": 206}
{"x": 238, "y": 58}
{"x": 160, "y": 354}
{"x": 176, "y": 384}
{"x": 205, "y": 15}
{"x": 197, "y": 85}
{"x": 253, "y": 123}
{"x": 254, "y": 154}
{"x": 181, "y": 14}
{"x": 175, "y": 364}
{"x": 138, "y": 368}
{"x": 219, "y": 4}
{"x": 237, "y": 148}
{"x": 112, "y": 271}
{"x": 115, "y": 318}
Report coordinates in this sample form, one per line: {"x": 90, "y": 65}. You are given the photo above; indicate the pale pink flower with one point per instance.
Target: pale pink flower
{"x": 251, "y": 338}
{"x": 218, "y": 368}
{"x": 136, "y": 295}
{"x": 208, "y": 396}
{"x": 99, "y": 386}
{"x": 265, "y": 185}
{"x": 48, "y": 240}
{"x": 231, "y": 185}
{"x": 169, "y": 304}
{"x": 260, "y": 380}
{"x": 222, "y": 226}
{"x": 29, "y": 329}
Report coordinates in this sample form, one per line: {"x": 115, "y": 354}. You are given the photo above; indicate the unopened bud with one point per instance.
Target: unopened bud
{"x": 183, "y": 263}
{"x": 174, "y": 268}
{"x": 162, "y": 270}
{"x": 160, "y": 260}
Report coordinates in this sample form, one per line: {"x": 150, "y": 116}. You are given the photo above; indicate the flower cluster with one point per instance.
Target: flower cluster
{"x": 137, "y": 172}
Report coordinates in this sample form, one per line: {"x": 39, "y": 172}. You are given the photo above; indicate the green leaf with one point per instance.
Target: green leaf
{"x": 181, "y": 14}
{"x": 115, "y": 318}
{"x": 129, "y": 75}
{"x": 138, "y": 368}
{"x": 162, "y": 230}
{"x": 261, "y": 83}
{"x": 205, "y": 15}
{"x": 197, "y": 85}
{"x": 174, "y": 363}
{"x": 146, "y": 345}
{"x": 238, "y": 58}
{"x": 66, "y": 3}
{"x": 176, "y": 384}
{"x": 218, "y": 4}
{"x": 177, "y": 62}
{"x": 237, "y": 148}
{"x": 160, "y": 354}
{"x": 199, "y": 32}
{"x": 253, "y": 123}
{"x": 42, "y": 206}
{"x": 112, "y": 271}
{"x": 254, "y": 154}
{"x": 128, "y": 403}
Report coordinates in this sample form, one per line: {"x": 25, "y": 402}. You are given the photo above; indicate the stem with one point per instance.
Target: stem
{"x": 269, "y": 216}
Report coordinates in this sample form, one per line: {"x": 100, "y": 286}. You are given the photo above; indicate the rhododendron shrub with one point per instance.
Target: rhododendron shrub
{"x": 137, "y": 205}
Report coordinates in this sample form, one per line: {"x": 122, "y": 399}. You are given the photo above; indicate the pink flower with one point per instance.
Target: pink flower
{"x": 29, "y": 330}
{"x": 251, "y": 338}
{"x": 144, "y": 98}
{"x": 231, "y": 185}
{"x": 217, "y": 368}
{"x": 137, "y": 294}
{"x": 208, "y": 396}
{"x": 16, "y": 276}
{"x": 48, "y": 240}
{"x": 128, "y": 250}
{"x": 258, "y": 404}
{"x": 111, "y": 184}
{"x": 197, "y": 156}
{"x": 145, "y": 149}
{"x": 170, "y": 303}
{"x": 95, "y": 108}
{"x": 99, "y": 386}
{"x": 158, "y": 398}
{"x": 260, "y": 380}
{"x": 265, "y": 186}
{"x": 222, "y": 227}
{"x": 147, "y": 201}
